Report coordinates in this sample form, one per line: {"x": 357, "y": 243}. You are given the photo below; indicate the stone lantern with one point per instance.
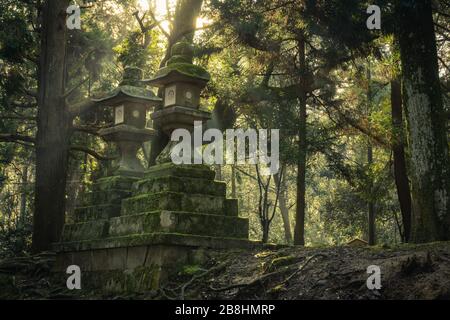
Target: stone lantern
{"x": 130, "y": 102}
{"x": 147, "y": 227}
{"x": 182, "y": 83}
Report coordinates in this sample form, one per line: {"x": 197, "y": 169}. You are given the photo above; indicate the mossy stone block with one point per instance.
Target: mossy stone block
{"x": 180, "y": 223}
{"x": 114, "y": 183}
{"x": 173, "y": 201}
{"x": 188, "y": 171}
{"x": 180, "y": 184}
{"x": 112, "y": 196}
{"x": 232, "y": 207}
{"x": 96, "y": 212}
{"x": 85, "y": 230}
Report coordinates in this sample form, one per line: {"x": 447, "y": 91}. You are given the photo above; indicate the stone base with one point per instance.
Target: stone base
{"x": 132, "y": 233}
{"x": 137, "y": 263}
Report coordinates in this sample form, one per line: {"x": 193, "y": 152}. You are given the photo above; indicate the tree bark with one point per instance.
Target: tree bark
{"x": 398, "y": 150}
{"x": 430, "y": 168}
{"x": 283, "y": 206}
{"x": 371, "y": 203}
{"x": 299, "y": 234}
{"x": 371, "y": 219}
{"x": 52, "y": 138}
{"x": 23, "y": 197}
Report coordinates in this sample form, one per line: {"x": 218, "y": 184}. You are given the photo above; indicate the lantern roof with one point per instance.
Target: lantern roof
{"x": 180, "y": 68}
{"x": 131, "y": 88}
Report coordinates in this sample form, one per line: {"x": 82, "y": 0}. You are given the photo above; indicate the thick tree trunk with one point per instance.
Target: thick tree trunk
{"x": 398, "y": 149}
{"x": 52, "y": 142}
{"x": 283, "y": 206}
{"x": 299, "y": 235}
{"x": 430, "y": 168}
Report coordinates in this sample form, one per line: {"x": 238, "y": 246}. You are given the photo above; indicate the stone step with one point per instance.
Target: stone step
{"x": 96, "y": 212}
{"x": 181, "y": 223}
{"x": 90, "y": 230}
{"x": 114, "y": 183}
{"x": 113, "y": 196}
{"x": 180, "y": 184}
{"x": 174, "y": 201}
{"x": 187, "y": 171}
{"x": 232, "y": 207}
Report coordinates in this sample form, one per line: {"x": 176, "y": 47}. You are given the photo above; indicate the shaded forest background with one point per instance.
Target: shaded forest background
{"x": 363, "y": 113}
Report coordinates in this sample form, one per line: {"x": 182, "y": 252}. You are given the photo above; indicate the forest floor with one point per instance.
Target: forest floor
{"x": 407, "y": 272}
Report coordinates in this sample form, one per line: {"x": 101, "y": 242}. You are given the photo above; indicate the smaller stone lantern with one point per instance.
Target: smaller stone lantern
{"x": 182, "y": 83}
{"x": 130, "y": 102}
{"x": 181, "y": 80}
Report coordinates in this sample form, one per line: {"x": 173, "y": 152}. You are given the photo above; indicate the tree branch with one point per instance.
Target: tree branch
{"x": 91, "y": 152}
{"x": 12, "y": 137}
{"x": 81, "y": 107}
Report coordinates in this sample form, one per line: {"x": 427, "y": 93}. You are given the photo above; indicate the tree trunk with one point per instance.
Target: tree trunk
{"x": 23, "y": 197}
{"x": 430, "y": 168}
{"x": 371, "y": 203}
{"x": 299, "y": 235}
{"x": 283, "y": 206}
{"x": 398, "y": 149}
{"x": 52, "y": 142}
{"x": 266, "y": 230}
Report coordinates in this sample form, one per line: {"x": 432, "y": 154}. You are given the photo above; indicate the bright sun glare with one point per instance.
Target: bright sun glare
{"x": 160, "y": 10}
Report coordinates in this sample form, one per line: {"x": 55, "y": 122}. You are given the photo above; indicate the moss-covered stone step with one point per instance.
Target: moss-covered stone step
{"x": 174, "y": 201}
{"x": 156, "y": 238}
{"x": 114, "y": 183}
{"x": 180, "y": 184}
{"x": 187, "y": 171}
{"x": 113, "y": 196}
{"x": 90, "y": 230}
{"x": 232, "y": 207}
{"x": 96, "y": 212}
{"x": 180, "y": 222}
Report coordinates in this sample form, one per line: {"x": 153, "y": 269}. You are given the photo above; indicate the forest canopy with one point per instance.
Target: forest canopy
{"x": 363, "y": 112}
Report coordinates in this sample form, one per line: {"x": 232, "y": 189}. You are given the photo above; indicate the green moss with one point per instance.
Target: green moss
{"x": 191, "y": 270}
{"x": 186, "y": 69}
{"x": 183, "y": 48}
{"x": 283, "y": 261}
{"x": 178, "y": 59}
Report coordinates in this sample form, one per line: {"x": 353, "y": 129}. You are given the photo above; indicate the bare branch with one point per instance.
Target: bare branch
{"x": 18, "y": 118}
{"x": 81, "y": 107}
{"x": 12, "y": 137}
{"x": 87, "y": 129}
{"x": 158, "y": 23}
{"x": 69, "y": 92}
{"x": 92, "y": 153}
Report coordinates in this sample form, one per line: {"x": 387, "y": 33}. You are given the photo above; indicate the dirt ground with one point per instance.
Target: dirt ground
{"x": 290, "y": 273}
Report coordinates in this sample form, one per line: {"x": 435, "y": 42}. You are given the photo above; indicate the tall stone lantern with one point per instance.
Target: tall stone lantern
{"x": 130, "y": 102}
{"x": 182, "y": 83}
{"x": 144, "y": 229}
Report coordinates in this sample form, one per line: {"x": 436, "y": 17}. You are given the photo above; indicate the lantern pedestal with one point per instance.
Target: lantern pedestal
{"x": 175, "y": 214}
{"x": 129, "y": 140}
{"x": 176, "y": 117}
